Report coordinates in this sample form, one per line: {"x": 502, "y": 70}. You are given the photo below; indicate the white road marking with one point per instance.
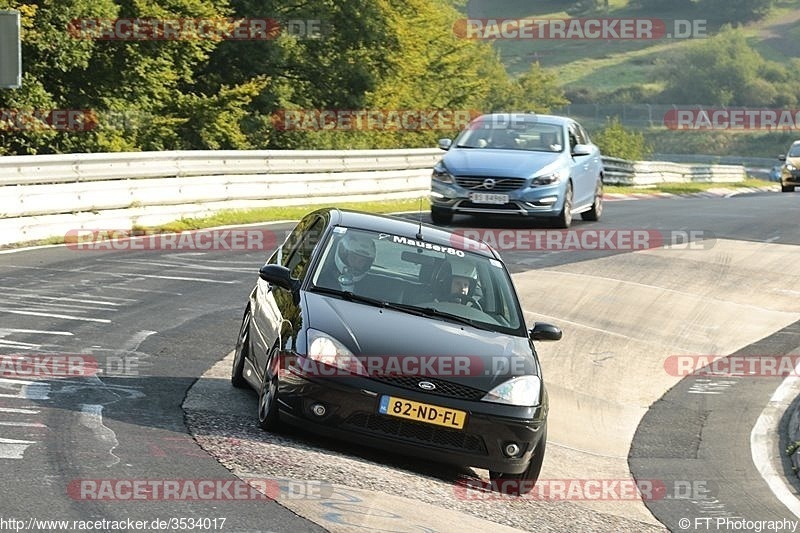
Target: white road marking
{"x": 13, "y": 448}
{"x": 19, "y": 411}
{"x": 23, "y": 424}
{"x": 91, "y": 416}
{"x": 20, "y": 345}
{"x": 182, "y": 278}
{"x": 4, "y": 331}
{"x": 53, "y": 315}
{"x": 28, "y": 390}
{"x": 763, "y": 441}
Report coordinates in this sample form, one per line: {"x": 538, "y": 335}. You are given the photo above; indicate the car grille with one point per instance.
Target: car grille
{"x": 500, "y": 184}
{"x": 443, "y": 388}
{"x": 417, "y": 433}
{"x": 495, "y": 207}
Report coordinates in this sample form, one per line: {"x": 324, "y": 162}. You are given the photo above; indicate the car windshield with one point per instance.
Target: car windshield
{"x": 419, "y": 276}
{"x": 794, "y": 151}
{"x": 512, "y": 135}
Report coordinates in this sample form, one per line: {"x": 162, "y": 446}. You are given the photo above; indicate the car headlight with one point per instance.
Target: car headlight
{"x": 790, "y": 167}
{"x": 547, "y": 179}
{"x": 523, "y": 391}
{"x": 324, "y": 349}
{"x": 440, "y": 173}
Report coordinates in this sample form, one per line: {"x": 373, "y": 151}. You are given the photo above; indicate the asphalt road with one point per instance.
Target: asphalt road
{"x": 153, "y": 321}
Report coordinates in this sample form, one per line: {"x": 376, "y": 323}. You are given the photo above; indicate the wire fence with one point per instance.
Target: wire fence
{"x": 674, "y": 116}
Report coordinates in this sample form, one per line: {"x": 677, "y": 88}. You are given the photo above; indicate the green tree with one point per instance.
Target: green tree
{"x": 615, "y": 140}
{"x": 718, "y": 71}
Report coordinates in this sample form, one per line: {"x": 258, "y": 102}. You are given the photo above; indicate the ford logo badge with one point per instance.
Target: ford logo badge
{"x": 426, "y": 385}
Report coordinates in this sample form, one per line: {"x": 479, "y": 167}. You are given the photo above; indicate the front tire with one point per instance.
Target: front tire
{"x": 596, "y": 211}
{"x": 520, "y": 484}
{"x": 241, "y": 353}
{"x": 441, "y": 216}
{"x": 268, "y": 418}
{"x": 787, "y": 188}
{"x": 564, "y": 219}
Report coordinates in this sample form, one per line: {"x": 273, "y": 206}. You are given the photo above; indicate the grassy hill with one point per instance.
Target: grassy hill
{"x": 596, "y": 69}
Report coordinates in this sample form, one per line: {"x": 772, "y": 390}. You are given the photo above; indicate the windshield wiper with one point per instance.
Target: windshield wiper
{"x": 406, "y": 308}
{"x": 352, "y": 297}
{"x": 432, "y": 311}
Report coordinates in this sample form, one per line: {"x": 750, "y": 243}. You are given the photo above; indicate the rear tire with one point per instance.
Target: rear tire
{"x": 441, "y": 216}
{"x": 596, "y": 211}
{"x": 241, "y": 352}
{"x": 520, "y": 484}
{"x": 787, "y": 188}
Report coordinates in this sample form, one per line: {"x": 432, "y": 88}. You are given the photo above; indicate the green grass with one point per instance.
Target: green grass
{"x": 683, "y": 188}
{"x": 271, "y": 214}
{"x": 234, "y": 217}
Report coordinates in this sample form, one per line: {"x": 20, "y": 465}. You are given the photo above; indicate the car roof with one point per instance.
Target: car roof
{"x": 406, "y": 228}
{"x": 550, "y": 119}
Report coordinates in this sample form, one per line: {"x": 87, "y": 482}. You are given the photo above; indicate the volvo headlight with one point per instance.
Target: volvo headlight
{"x": 547, "y": 179}
{"x": 324, "y": 349}
{"x": 522, "y": 391}
{"x": 440, "y": 173}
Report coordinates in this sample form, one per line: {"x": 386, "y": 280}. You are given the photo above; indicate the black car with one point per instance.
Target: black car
{"x": 397, "y": 335}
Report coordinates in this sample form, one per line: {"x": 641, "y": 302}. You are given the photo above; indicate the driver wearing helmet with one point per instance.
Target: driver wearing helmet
{"x": 354, "y": 256}
{"x": 459, "y": 281}
{"x": 463, "y": 282}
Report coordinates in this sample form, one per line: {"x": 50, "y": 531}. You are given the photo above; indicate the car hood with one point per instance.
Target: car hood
{"x": 489, "y": 357}
{"x": 794, "y": 161}
{"x": 500, "y": 163}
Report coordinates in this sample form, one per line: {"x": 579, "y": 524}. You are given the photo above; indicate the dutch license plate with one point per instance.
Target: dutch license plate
{"x": 422, "y": 412}
{"x": 487, "y": 198}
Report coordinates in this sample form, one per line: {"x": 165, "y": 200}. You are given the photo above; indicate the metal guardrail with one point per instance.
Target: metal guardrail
{"x": 44, "y": 196}
{"x": 643, "y": 173}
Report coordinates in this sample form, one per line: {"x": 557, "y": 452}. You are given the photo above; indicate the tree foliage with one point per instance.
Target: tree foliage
{"x": 725, "y": 71}
{"x": 207, "y": 93}
{"x": 614, "y": 140}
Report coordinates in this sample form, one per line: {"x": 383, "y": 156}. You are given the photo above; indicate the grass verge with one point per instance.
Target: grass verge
{"x": 685, "y": 188}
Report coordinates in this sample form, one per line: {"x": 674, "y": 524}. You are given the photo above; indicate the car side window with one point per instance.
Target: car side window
{"x": 583, "y": 137}
{"x": 307, "y": 237}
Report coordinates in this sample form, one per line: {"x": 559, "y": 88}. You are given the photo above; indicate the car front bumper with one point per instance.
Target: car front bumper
{"x": 544, "y": 201}
{"x": 351, "y": 413}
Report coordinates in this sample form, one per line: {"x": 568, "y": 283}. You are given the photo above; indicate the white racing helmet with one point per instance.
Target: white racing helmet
{"x": 355, "y": 254}
{"x": 465, "y": 270}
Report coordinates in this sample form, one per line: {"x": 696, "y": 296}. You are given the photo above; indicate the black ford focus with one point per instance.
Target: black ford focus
{"x": 397, "y": 335}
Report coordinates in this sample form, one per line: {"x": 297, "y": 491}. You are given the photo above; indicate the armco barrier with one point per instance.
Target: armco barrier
{"x": 48, "y": 195}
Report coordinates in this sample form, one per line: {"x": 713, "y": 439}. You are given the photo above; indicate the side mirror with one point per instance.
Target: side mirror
{"x": 445, "y": 144}
{"x": 782, "y": 157}
{"x": 545, "y": 332}
{"x": 581, "y": 149}
{"x": 277, "y": 275}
